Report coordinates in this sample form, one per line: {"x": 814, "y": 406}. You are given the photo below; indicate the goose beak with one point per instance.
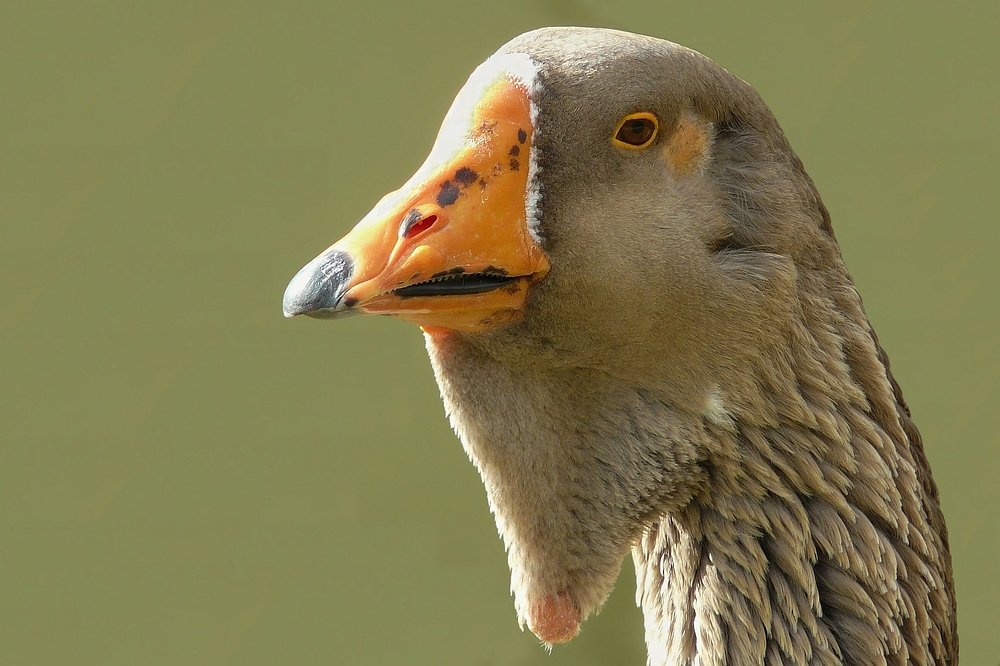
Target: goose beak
{"x": 452, "y": 248}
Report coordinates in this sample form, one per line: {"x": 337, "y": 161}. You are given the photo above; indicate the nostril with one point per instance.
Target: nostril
{"x": 414, "y": 224}
{"x": 421, "y": 225}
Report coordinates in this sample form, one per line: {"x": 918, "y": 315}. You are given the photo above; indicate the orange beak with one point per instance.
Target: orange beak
{"x": 451, "y": 249}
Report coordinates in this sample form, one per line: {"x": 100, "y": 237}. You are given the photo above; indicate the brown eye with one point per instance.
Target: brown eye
{"x": 636, "y": 130}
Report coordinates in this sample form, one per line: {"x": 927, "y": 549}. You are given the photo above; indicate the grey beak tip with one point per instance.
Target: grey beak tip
{"x": 319, "y": 286}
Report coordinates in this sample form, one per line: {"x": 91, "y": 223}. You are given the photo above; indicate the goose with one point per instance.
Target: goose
{"x": 647, "y": 341}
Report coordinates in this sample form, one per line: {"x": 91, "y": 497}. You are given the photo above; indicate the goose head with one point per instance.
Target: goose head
{"x": 646, "y": 339}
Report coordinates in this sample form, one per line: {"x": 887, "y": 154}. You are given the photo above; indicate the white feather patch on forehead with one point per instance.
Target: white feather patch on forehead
{"x": 458, "y": 123}
{"x": 457, "y": 126}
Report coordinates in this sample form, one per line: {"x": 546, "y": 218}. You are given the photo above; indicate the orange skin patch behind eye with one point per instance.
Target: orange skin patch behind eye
{"x": 685, "y": 152}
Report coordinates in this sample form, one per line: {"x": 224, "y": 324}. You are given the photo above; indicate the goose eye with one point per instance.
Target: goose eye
{"x": 636, "y": 130}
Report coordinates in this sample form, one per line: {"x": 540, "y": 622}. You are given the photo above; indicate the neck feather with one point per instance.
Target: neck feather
{"x": 818, "y": 539}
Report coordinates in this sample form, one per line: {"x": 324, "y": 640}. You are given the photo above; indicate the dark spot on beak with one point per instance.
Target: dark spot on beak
{"x": 457, "y": 270}
{"x": 486, "y": 128}
{"x": 482, "y": 184}
{"x": 493, "y": 270}
{"x": 448, "y": 194}
{"x": 515, "y": 165}
{"x": 514, "y": 151}
{"x": 465, "y": 176}
{"x": 522, "y": 136}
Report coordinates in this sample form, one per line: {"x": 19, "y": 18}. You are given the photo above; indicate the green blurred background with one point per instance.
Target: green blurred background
{"x": 188, "y": 478}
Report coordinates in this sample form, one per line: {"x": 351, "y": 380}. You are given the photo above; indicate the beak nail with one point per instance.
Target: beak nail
{"x": 318, "y": 289}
